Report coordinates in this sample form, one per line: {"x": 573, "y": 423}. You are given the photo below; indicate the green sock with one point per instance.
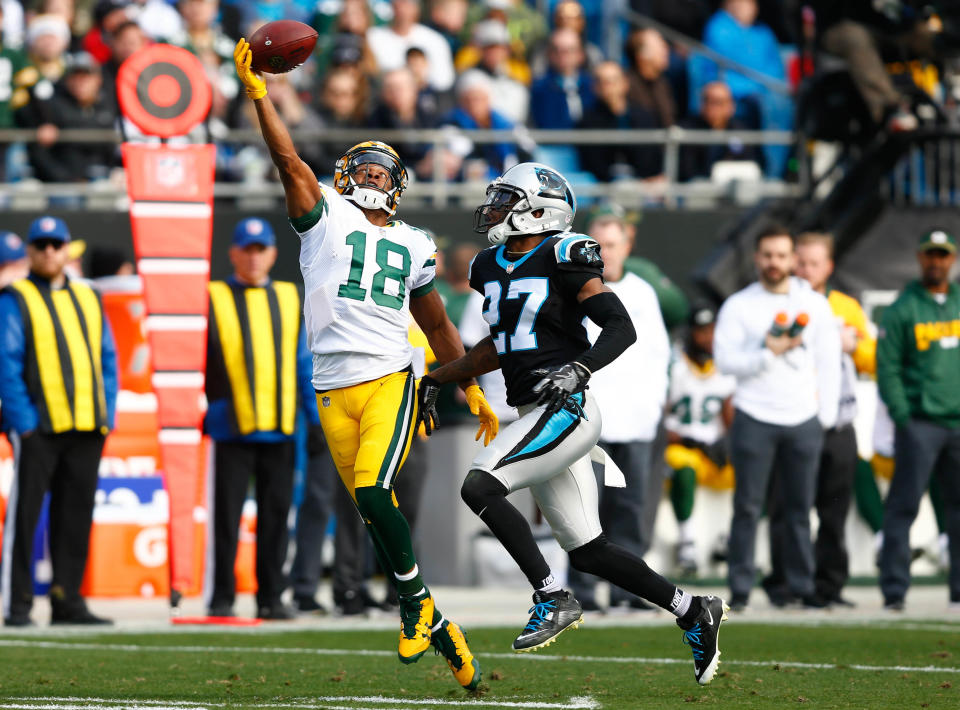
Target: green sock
{"x": 393, "y": 532}
{"x": 936, "y": 498}
{"x": 867, "y": 495}
{"x": 382, "y": 559}
{"x": 682, "y": 490}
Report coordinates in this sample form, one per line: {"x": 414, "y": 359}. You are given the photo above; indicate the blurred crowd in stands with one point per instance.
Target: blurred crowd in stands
{"x": 491, "y": 64}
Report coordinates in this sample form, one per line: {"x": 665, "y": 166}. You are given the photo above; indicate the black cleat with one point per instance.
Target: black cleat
{"x": 702, "y": 636}
{"x": 82, "y": 616}
{"x": 277, "y": 611}
{"x": 307, "y": 604}
{"x": 17, "y": 619}
{"x": 551, "y": 614}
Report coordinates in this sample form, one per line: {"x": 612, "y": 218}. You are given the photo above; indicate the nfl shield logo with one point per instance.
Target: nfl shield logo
{"x": 509, "y": 268}
{"x": 326, "y": 401}
{"x": 170, "y": 171}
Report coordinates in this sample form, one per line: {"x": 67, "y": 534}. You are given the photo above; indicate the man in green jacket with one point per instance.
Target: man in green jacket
{"x": 918, "y": 375}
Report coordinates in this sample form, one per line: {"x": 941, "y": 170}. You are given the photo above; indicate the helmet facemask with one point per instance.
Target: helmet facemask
{"x": 529, "y": 198}
{"x": 492, "y": 217}
{"x": 368, "y": 196}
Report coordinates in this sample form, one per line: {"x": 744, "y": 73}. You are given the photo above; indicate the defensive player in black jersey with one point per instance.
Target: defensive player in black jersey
{"x": 539, "y": 282}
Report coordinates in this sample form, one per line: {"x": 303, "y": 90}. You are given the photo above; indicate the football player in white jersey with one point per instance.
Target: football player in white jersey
{"x": 364, "y": 275}
{"x": 699, "y": 410}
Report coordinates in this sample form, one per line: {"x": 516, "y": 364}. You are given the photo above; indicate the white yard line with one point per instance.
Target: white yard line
{"x": 319, "y": 703}
{"x": 948, "y": 626}
{"x": 636, "y": 660}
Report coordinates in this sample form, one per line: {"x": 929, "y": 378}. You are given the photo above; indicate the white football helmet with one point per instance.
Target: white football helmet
{"x": 513, "y": 198}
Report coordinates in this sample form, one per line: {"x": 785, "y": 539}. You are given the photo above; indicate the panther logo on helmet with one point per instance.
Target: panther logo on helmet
{"x": 369, "y": 196}
{"x": 530, "y": 198}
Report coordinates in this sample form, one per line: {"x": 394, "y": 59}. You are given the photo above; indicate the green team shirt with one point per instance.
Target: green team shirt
{"x": 918, "y": 356}
{"x": 674, "y": 305}
{"x": 12, "y": 91}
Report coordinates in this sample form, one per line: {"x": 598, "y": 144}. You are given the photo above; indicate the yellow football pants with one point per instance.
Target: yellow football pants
{"x": 369, "y": 428}
{"x": 708, "y": 473}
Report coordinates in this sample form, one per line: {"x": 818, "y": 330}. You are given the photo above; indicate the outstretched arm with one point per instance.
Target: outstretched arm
{"x": 444, "y": 340}
{"x": 481, "y": 359}
{"x": 442, "y": 335}
{"x": 299, "y": 183}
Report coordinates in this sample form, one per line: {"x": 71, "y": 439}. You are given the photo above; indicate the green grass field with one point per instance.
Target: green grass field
{"x": 889, "y": 665}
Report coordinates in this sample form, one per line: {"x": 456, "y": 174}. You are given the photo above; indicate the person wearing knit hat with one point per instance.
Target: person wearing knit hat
{"x": 48, "y": 38}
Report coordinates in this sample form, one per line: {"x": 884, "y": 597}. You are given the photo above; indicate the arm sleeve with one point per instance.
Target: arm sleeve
{"x": 108, "y": 358}
{"x": 890, "y": 354}
{"x": 732, "y": 354}
{"x": 617, "y": 333}
{"x": 827, "y": 353}
{"x": 305, "y": 379}
{"x": 305, "y": 223}
{"x": 19, "y": 412}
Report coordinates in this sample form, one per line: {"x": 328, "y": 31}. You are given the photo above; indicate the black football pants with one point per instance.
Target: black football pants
{"x": 66, "y": 465}
{"x": 271, "y": 467}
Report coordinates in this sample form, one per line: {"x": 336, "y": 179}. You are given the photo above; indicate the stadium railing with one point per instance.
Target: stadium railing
{"x": 439, "y": 191}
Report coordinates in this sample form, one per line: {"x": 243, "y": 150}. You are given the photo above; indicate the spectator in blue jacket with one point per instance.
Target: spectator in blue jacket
{"x": 734, "y": 33}
{"x": 255, "y": 384}
{"x": 561, "y": 97}
{"x": 58, "y": 388}
{"x": 481, "y": 161}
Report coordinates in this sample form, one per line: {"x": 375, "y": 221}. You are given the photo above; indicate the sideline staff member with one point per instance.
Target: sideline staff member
{"x": 58, "y": 384}
{"x": 918, "y": 361}
{"x": 787, "y": 393}
{"x": 257, "y": 358}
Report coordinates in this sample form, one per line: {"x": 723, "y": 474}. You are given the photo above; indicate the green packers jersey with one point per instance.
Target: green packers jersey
{"x": 12, "y": 91}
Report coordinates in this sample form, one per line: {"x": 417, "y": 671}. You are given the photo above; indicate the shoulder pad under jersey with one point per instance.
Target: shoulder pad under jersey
{"x": 578, "y": 252}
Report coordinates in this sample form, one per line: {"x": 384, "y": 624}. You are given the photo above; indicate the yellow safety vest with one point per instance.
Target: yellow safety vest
{"x": 255, "y": 337}
{"x": 63, "y": 336}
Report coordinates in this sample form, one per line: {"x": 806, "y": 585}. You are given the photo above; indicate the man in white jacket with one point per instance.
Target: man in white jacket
{"x": 630, "y": 418}
{"x": 788, "y": 389}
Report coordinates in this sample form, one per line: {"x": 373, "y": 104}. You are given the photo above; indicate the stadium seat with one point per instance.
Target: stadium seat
{"x": 559, "y": 157}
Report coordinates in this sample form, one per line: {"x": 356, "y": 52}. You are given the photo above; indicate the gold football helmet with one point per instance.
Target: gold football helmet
{"x": 369, "y": 196}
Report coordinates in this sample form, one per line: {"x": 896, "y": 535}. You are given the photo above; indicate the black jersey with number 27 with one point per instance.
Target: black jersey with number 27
{"x": 530, "y": 304}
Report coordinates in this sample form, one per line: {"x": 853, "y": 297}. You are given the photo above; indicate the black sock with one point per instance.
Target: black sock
{"x": 621, "y": 567}
{"x": 487, "y": 497}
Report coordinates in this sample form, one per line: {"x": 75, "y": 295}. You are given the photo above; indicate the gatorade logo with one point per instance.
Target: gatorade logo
{"x": 150, "y": 546}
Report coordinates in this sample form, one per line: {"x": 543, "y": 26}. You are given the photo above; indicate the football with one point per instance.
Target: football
{"x": 282, "y": 45}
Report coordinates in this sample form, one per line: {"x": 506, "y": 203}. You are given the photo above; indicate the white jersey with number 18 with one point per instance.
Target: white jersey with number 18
{"x": 358, "y": 279}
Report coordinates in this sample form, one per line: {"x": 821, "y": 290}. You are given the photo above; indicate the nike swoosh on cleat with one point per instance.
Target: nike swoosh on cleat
{"x": 710, "y": 617}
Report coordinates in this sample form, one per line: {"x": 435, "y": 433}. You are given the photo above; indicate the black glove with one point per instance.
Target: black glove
{"x": 427, "y": 404}
{"x": 558, "y": 383}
